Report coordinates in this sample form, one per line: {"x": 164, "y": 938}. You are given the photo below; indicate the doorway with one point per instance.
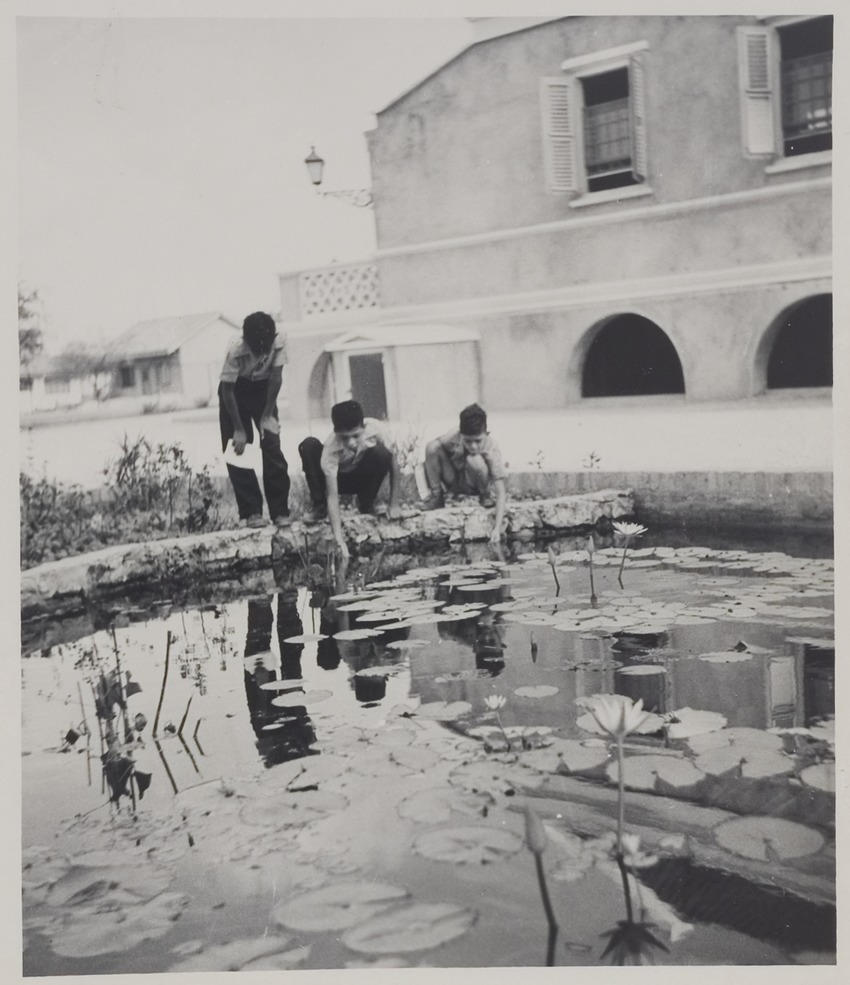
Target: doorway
{"x": 368, "y": 388}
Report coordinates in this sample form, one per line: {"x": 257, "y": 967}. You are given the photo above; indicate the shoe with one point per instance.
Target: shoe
{"x": 315, "y": 514}
{"x": 433, "y": 501}
{"x": 255, "y": 520}
{"x": 283, "y": 520}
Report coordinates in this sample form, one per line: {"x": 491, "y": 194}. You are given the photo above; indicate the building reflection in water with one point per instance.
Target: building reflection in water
{"x": 281, "y": 733}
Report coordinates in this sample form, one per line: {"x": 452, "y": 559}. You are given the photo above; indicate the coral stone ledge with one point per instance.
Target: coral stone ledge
{"x": 114, "y": 571}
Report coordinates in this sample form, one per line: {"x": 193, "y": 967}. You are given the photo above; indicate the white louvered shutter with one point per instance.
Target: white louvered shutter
{"x": 757, "y": 96}
{"x": 559, "y": 140}
{"x": 637, "y": 105}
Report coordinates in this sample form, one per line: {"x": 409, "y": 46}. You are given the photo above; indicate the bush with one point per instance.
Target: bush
{"x": 152, "y": 492}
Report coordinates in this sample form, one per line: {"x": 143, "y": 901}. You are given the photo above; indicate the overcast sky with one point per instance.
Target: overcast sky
{"x": 160, "y": 161}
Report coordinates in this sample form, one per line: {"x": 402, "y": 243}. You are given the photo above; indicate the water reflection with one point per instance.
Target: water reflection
{"x": 282, "y": 733}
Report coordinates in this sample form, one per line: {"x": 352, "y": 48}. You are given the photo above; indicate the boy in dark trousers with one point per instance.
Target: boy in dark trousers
{"x": 248, "y": 390}
{"x": 355, "y": 458}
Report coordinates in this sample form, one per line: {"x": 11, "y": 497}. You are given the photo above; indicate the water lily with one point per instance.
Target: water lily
{"x": 494, "y": 702}
{"x": 616, "y": 714}
{"x": 628, "y": 531}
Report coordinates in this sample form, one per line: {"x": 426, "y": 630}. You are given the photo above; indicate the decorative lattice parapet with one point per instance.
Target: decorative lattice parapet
{"x": 338, "y": 288}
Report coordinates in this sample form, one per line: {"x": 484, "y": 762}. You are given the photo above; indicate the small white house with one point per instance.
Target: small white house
{"x": 180, "y": 356}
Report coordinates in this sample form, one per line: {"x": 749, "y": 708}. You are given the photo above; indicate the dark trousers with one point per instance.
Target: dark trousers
{"x": 364, "y": 479}
{"x": 251, "y": 401}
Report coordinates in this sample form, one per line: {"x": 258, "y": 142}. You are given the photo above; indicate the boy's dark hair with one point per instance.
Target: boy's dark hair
{"x": 347, "y": 416}
{"x": 473, "y": 420}
{"x": 259, "y": 331}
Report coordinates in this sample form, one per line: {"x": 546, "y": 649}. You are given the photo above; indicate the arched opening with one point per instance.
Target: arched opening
{"x": 631, "y": 356}
{"x": 319, "y": 395}
{"x": 801, "y": 350}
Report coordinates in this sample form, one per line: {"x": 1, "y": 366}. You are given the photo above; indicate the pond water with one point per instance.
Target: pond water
{"x": 341, "y": 782}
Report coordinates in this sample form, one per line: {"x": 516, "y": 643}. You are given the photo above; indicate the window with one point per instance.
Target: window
{"x": 57, "y": 386}
{"x": 594, "y": 132}
{"x": 127, "y": 377}
{"x": 786, "y": 88}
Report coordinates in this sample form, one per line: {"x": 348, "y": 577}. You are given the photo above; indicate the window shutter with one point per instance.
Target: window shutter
{"x": 637, "y": 104}
{"x": 559, "y": 142}
{"x": 757, "y": 99}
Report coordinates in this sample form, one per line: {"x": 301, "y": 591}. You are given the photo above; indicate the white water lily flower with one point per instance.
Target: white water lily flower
{"x": 630, "y": 529}
{"x": 495, "y": 701}
{"x": 616, "y": 714}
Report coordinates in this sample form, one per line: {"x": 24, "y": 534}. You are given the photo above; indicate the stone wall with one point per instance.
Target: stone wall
{"x": 69, "y": 585}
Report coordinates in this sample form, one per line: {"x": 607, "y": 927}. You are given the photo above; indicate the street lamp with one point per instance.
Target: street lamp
{"x": 361, "y": 197}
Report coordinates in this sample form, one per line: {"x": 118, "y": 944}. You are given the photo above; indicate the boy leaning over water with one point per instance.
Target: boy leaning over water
{"x": 248, "y": 389}
{"x": 354, "y": 459}
{"x": 467, "y": 462}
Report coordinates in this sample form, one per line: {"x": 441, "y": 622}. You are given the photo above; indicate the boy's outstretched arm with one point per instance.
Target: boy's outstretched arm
{"x": 268, "y": 422}
{"x": 499, "y": 519}
{"x": 228, "y": 398}
{"x": 393, "y": 510}
{"x": 334, "y": 513}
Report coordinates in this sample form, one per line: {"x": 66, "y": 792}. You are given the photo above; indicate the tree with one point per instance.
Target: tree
{"x": 30, "y": 333}
{"x": 81, "y": 359}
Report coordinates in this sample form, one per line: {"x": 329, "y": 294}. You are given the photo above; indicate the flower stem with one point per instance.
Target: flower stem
{"x": 555, "y": 576}
{"x": 622, "y": 562}
{"x": 504, "y": 733}
{"x": 592, "y": 589}
{"x": 621, "y": 796}
{"x": 547, "y": 907}
{"x": 624, "y": 873}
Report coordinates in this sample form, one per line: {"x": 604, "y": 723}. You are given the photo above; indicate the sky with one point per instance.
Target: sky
{"x": 161, "y": 160}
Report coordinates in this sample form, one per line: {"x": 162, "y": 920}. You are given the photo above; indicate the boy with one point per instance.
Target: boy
{"x": 466, "y": 461}
{"x": 354, "y": 459}
{"x": 248, "y": 389}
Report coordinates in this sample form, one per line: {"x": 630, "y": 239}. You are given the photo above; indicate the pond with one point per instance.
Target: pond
{"x": 342, "y": 781}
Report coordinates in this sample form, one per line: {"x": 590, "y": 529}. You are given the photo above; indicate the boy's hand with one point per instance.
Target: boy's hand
{"x": 495, "y": 536}
{"x": 394, "y": 512}
{"x": 240, "y": 439}
{"x": 271, "y": 424}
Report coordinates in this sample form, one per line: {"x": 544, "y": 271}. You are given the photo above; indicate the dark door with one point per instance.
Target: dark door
{"x": 367, "y": 384}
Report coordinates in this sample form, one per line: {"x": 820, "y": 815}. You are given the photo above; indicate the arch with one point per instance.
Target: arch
{"x": 796, "y": 349}
{"x": 319, "y": 388}
{"x": 628, "y": 355}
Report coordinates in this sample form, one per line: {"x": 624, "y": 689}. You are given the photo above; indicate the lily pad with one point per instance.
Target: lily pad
{"x": 536, "y": 691}
{"x": 415, "y": 758}
{"x": 443, "y": 711}
{"x": 738, "y": 736}
{"x": 339, "y": 905}
{"x": 641, "y": 772}
{"x": 407, "y": 644}
{"x": 357, "y": 634}
{"x": 566, "y": 756}
{"x": 726, "y": 657}
{"x": 306, "y": 638}
{"x": 281, "y": 685}
{"x": 280, "y": 960}
{"x": 693, "y": 722}
{"x": 642, "y": 670}
{"x": 472, "y": 845}
{"x": 301, "y": 698}
{"x": 232, "y": 956}
{"x": 413, "y": 928}
{"x": 768, "y": 838}
{"x": 436, "y": 804}
{"x": 292, "y": 809}
{"x": 821, "y": 776}
{"x": 91, "y": 932}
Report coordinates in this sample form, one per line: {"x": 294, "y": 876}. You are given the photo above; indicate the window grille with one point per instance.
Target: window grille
{"x": 338, "y": 289}
{"x": 607, "y": 137}
{"x": 807, "y": 95}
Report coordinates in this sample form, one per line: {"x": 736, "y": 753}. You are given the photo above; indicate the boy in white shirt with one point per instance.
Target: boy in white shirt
{"x": 354, "y": 459}
{"x": 248, "y": 389}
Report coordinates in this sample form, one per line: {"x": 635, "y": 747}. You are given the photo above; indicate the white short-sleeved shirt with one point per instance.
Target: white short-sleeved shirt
{"x": 452, "y": 442}
{"x": 241, "y": 363}
{"x": 337, "y": 458}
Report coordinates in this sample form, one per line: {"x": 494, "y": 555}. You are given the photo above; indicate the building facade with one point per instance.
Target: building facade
{"x": 610, "y": 206}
